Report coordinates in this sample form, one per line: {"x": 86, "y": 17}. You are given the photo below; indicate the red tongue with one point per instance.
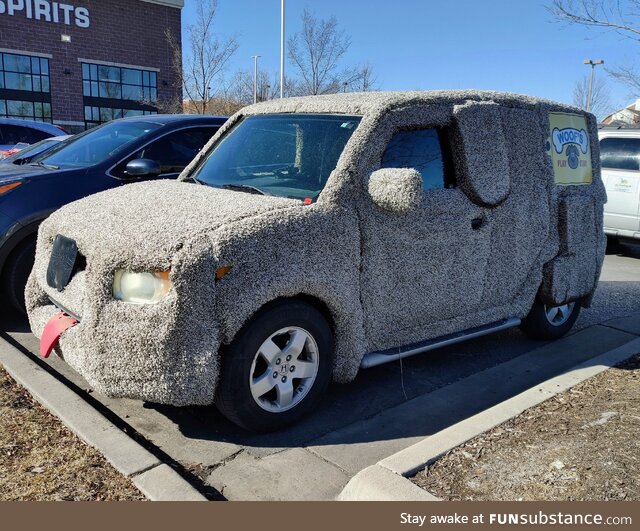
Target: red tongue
{"x": 56, "y": 326}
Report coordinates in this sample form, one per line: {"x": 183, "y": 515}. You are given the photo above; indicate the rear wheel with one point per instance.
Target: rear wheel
{"x": 16, "y": 272}
{"x": 277, "y": 368}
{"x": 550, "y": 322}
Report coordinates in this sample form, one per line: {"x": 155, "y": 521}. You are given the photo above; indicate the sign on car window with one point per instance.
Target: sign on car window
{"x": 569, "y": 147}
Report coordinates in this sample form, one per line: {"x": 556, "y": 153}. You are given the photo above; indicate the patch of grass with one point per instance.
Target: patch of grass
{"x": 40, "y": 459}
{"x": 582, "y": 444}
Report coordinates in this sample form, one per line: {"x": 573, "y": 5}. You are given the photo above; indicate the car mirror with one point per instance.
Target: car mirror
{"x": 142, "y": 168}
{"x": 397, "y": 190}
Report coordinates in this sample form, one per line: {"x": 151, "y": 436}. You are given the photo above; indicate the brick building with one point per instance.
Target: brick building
{"x": 84, "y": 62}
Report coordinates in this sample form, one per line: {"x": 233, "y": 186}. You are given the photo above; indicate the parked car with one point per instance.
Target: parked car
{"x": 14, "y": 131}
{"x": 108, "y": 156}
{"x": 315, "y": 236}
{"x": 30, "y": 152}
{"x": 620, "y": 159}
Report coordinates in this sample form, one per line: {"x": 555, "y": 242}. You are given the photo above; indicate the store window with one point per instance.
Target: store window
{"x": 24, "y": 73}
{"x": 112, "y": 92}
{"x": 98, "y": 115}
{"x": 114, "y": 82}
{"x": 25, "y": 90}
{"x": 28, "y": 110}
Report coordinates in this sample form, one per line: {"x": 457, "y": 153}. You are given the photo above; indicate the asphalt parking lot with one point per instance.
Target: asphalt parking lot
{"x": 385, "y": 409}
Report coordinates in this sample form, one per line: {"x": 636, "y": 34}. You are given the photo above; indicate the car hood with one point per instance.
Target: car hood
{"x": 132, "y": 223}
{"x": 11, "y": 172}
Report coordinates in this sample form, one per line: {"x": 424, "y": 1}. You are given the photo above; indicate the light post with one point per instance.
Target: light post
{"x": 282, "y": 48}
{"x": 593, "y": 73}
{"x": 255, "y": 78}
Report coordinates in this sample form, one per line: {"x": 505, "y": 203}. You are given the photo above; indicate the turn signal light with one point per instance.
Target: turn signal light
{"x": 5, "y": 188}
{"x": 222, "y": 272}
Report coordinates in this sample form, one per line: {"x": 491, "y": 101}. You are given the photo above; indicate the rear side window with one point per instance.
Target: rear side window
{"x": 620, "y": 153}
{"x": 15, "y": 134}
{"x": 426, "y": 150}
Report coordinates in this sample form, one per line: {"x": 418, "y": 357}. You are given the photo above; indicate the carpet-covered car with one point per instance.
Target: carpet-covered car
{"x": 315, "y": 236}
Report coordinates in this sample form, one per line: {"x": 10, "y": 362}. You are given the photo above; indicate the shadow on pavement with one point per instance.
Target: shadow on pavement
{"x": 343, "y": 415}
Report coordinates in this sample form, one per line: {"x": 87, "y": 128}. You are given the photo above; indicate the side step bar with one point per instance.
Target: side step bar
{"x": 374, "y": 359}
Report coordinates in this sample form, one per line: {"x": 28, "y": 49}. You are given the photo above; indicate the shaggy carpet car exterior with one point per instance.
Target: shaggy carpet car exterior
{"x": 387, "y": 275}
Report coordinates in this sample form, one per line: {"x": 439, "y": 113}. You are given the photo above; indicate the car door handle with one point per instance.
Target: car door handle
{"x": 477, "y": 223}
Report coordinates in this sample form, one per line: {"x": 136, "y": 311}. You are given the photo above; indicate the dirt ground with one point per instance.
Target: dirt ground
{"x": 40, "y": 459}
{"x": 582, "y": 444}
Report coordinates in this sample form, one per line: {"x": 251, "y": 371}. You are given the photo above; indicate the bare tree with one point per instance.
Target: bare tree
{"x": 240, "y": 87}
{"x": 619, "y": 16}
{"x": 365, "y": 79}
{"x": 316, "y": 52}
{"x": 600, "y": 96}
{"x": 205, "y": 57}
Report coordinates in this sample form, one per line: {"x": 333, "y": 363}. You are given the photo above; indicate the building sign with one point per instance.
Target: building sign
{"x": 47, "y": 11}
{"x": 569, "y": 148}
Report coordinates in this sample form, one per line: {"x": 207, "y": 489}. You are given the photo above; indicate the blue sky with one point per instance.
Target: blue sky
{"x": 429, "y": 44}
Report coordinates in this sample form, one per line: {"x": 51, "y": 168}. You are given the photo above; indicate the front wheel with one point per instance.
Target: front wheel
{"x": 16, "y": 272}
{"x": 550, "y": 322}
{"x": 277, "y": 368}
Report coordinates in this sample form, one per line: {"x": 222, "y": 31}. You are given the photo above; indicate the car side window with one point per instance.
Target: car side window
{"x": 15, "y": 134}
{"x": 174, "y": 151}
{"x": 620, "y": 153}
{"x": 426, "y": 150}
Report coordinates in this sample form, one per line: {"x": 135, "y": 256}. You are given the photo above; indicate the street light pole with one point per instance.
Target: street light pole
{"x": 255, "y": 78}
{"x": 593, "y": 73}
{"x": 282, "y": 5}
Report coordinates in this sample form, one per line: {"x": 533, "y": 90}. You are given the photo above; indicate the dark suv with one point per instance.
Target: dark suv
{"x": 113, "y": 154}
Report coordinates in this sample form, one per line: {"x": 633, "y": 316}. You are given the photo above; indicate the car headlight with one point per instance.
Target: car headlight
{"x": 140, "y": 288}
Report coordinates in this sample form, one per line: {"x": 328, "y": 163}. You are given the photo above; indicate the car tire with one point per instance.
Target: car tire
{"x": 258, "y": 389}
{"x": 550, "y": 322}
{"x": 16, "y": 272}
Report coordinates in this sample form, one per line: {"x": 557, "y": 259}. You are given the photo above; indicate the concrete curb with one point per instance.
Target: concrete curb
{"x": 377, "y": 483}
{"x": 387, "y": 479}
{"x": 156, "y": 480}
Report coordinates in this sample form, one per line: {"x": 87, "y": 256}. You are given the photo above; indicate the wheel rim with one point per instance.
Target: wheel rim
{"x": 558, "y": 315}
{"x": 284, "y": 369}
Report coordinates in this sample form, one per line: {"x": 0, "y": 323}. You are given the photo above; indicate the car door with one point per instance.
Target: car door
{"x": 173, "y": 151}
{"x": 423, "y": 270}
{"x": 620, "y": 159}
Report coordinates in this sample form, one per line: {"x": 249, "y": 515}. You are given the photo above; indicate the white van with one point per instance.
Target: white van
{"x": 620, "y": 156}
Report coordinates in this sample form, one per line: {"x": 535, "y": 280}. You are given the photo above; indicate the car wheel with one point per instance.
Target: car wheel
{"x": 16, "y": 272}
{"x": 277, "y": 368}
{"x": 550, "y": 322}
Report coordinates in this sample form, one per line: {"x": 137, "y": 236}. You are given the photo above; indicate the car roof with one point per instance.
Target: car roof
{"x": 164, "y": 119}
{"x": 619, "y": 131}
{"x": 32, "y": 124}
{"x": 377, "y": 102}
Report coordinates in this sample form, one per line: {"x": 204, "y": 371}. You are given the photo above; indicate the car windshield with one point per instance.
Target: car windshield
{"x": 31, "y": 151}
{"x": 287, "y": 155}
{"x": 96, "y": 145}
